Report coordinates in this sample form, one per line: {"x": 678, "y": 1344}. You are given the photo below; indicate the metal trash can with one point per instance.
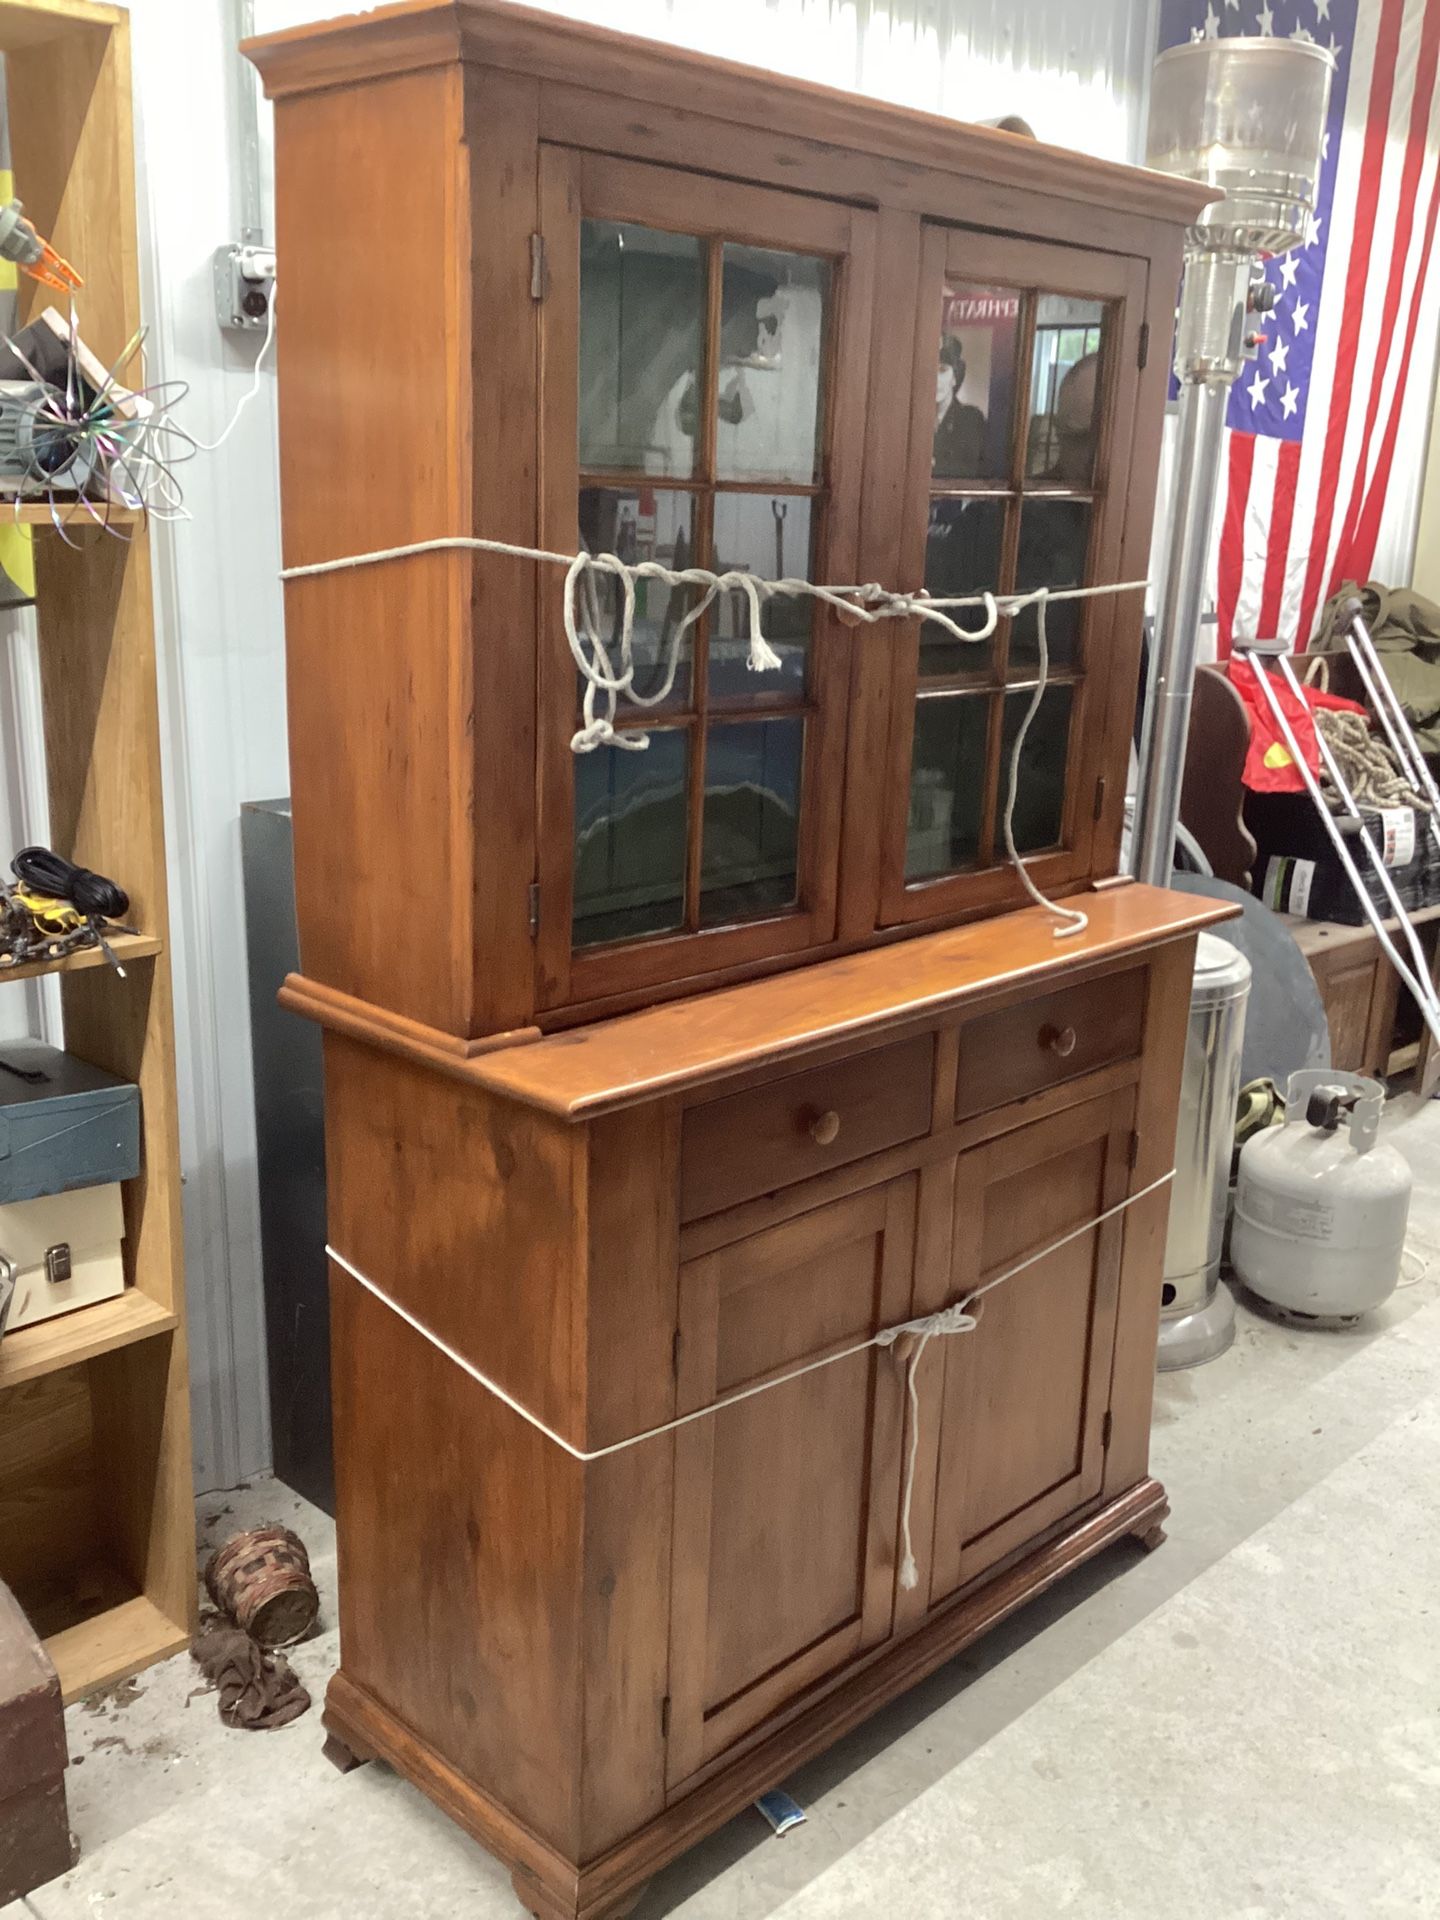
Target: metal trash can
{"x": 1197, "y": 1320}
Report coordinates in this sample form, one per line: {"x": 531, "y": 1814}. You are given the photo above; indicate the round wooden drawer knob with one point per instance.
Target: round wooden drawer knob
{"x": 825, "y": 1129}
{"x": 1059, "y": 1040}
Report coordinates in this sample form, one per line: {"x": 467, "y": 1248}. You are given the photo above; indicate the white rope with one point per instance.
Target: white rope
{"x": 1076, "y": 921}
{"x": 865, "y": 605}
{"x": 949, "y": 1320}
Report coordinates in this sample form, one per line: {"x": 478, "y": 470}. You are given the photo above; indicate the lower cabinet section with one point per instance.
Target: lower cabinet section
{"x": 594, "y": 1635}
{"x": 1012, "y": 1424}
{"x": 785, "y": 1503}
{"x": 787, "y": 1506}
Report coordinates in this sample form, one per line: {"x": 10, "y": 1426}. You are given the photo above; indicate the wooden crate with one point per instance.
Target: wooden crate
{"x": 96, "y": 1494}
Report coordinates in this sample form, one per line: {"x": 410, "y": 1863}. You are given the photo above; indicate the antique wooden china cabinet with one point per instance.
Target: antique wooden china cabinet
{"x": 655, "y": 1075}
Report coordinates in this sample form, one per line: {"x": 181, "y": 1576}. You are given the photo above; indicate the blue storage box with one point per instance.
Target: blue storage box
{"x": 63, "y": 1123}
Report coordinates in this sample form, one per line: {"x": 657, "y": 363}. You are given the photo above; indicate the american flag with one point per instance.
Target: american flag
{"x": 1314, "y": 423}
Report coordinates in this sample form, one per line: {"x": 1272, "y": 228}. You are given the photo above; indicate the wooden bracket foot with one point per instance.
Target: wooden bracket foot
{"x": 343, "y": 1757}
{"x": 544, "y": 1904}
{"x": 1152, "y": 1534}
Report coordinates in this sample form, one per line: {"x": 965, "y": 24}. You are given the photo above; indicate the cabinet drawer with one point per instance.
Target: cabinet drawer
{"x": 770, "y": 1136}
{"x": 1039, "y": 1043}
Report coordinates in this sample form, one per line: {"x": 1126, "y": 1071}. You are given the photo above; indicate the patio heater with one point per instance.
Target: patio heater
{"x": 1246, "y": 117}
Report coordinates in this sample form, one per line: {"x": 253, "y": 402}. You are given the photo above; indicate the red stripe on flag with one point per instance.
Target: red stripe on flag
{"x": 1344, "y": 567}
{"x": 1367, "y": 533}
{"x": 1377, "y": 129}
{"x": 1277, "y": 553}
{"x": 1232, "y": 539}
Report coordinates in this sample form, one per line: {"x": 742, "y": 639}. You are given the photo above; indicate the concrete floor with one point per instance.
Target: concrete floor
{"x": 1243, "y": 1726}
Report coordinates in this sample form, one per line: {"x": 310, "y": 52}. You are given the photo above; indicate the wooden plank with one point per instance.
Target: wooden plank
{"x": 675, "y": 1047}
{"x": 72, "y": 1338}
{"x": 121, "y": 1641}
{"x": 31, "y": 23}
{"x": 92, "y": 517}
{"x": 125, "y": 946}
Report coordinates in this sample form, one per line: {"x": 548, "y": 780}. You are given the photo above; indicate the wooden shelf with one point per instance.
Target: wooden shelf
{"x": 37, "y": 513}
{"x": 85, "y": 1334}
{"x": 97, "y": 1511}
{"x": 125, "y": 946}
{"x": 121, "y": 1641}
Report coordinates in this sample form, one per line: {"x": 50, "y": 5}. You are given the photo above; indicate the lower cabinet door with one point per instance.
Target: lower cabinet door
{"x": 785, "y": 1504}
{"x": 1016, "y": 1409}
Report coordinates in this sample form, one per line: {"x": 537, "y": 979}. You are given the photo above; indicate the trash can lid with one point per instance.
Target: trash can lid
{"x": 1221, "y": 972}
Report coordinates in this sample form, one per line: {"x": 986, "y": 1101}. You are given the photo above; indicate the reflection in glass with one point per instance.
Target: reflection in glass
{"x": 643, "y": 524}
{"x": 962, "y": 555}
{"x": 1065, "y": 390}
{"x": 947, "y": 780}
{"x": 630, "y": 811}
{"x": 748, "y": 858}
{"x": 772, "y": 342}
{"x": 975, "y": 382}
{"x": 771, "y": 538}
{"x": 1040, "y": 789}
{"x": 642, "y": 305}
{"x": 1054, "y": 543}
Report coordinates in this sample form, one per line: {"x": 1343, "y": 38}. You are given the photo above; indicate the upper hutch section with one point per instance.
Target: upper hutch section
{"x": 683, "y": 311}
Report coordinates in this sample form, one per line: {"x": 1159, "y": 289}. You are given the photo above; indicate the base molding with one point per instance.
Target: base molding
{"x": 554, "y": 1888}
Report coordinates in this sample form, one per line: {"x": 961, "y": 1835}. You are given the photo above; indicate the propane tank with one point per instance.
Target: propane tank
{"x": 1321, "y": 1205}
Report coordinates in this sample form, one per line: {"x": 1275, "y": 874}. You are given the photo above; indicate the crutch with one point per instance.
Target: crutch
{"x": 1386, "y": 704}
{"x": 1417, "y": 980}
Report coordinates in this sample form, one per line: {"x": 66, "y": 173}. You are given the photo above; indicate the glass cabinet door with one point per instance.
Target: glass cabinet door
{"x": 1019, "y": 445}
{"x": 703, "y": 360}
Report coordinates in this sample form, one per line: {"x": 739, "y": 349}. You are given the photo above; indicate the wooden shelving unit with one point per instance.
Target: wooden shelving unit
{"x": 96, "y": 1491}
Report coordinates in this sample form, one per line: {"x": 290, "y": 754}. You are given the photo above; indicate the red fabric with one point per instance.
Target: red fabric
{"x": 1269, "y": 767}
{"x": 1397, "y": 241}
{"x": 1367, "y": 245}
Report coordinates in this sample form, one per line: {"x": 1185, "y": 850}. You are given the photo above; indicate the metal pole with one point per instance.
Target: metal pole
{"x": 1424, "y": 997}
{"x": 1367, "y": 840}
{"x": 1386, "y": 701}
{"x": 1177, "y": 631}
{"x": 1397, "y": 744}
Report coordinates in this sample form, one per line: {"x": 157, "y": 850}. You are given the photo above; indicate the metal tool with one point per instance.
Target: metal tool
{"x": 1385, "y": 704}
{"x": 1417, "y": 979}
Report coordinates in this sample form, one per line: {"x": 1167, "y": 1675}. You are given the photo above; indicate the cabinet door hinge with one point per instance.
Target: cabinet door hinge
{"x": 1107, "y": 1427}
{"x": 539, "y": 268}
{"x": 665, "y": 1718}
{"x": 1144, "y": 353}
{"x": 532, "y": 901}
{"x": 675, "y": 1354}
{"x": 1099, "y": 797}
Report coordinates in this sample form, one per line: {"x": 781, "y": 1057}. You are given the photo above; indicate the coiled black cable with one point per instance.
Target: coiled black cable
{"x": 40, "y": 871}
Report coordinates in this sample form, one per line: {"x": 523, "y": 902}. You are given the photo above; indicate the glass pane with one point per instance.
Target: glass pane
{"x": 975, "y": 382}
{"x": 1065, "y": 390}
{"x": 1054, "y": 542}
{"x": 642, "y": 307}
{"x": 962, "y": 555}
{"x": 771, "y": 538}
{"x": 947, "y": 784}
{"x": 643, "y": 525}
{"x": 1040, "y": 789}
{"x": 772, "y": 343}
{"x": 630, "y": 840}
{"x": 748, "y": 859}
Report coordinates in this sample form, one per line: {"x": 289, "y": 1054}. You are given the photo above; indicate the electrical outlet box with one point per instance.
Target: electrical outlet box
{"x": 244, "y": 287}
